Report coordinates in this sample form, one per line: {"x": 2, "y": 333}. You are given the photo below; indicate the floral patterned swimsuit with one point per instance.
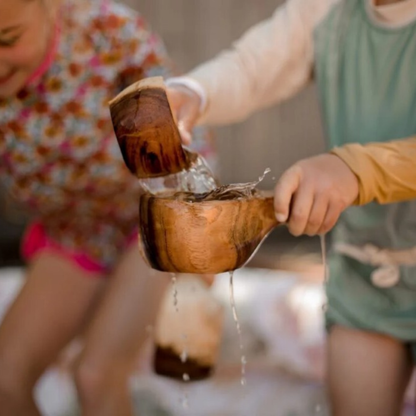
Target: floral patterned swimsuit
{"x": 58, "y": 153}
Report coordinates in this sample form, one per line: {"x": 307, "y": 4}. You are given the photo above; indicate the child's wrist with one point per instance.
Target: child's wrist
{"x": 343, "y": 155}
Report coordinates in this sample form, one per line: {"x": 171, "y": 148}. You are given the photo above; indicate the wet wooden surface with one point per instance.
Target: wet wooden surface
{"x": 146, "y": 131}
{"x": 206, "y": 237}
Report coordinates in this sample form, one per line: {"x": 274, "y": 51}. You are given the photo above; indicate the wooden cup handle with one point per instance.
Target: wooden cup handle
{"x": 146, "y": 131}
{"x": 267, "y": 211}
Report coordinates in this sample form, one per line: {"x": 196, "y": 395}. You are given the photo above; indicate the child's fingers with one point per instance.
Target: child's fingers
{"x": 284, "y": 190}
{"x": 187, "y": 118}
{"x": 331, "y": 217}
{"x": 185, "y": 132}
{"x": 301, "y": 209}
{"x": 317, "y": 215}
{"x": 185, "y": 106}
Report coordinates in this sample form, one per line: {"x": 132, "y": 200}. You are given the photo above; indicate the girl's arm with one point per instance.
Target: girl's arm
{"x": 272, "y": 61}
{"x": 386, "y": 172}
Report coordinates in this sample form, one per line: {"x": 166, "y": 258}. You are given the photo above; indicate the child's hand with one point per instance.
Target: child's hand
{"x": 311, "y": 194}
{"x": 185, "y": 105}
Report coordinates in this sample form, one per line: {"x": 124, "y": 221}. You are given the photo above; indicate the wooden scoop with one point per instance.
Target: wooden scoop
{"x": 206, "y": 237}
{"x": 146, "y": 131}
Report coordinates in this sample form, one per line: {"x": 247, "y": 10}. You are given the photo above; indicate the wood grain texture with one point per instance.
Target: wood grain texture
{"x": 203, "y": 237}
{"x": 146, "y": 131}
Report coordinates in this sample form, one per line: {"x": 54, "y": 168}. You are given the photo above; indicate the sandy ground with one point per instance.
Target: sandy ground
{"x": 281, "y": 317}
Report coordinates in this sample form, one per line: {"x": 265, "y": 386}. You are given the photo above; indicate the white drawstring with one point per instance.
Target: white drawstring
{"x": 389, "y": 261}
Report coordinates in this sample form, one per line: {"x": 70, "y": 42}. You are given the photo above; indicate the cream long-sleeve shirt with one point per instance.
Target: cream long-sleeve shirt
{"x": 273, "y": 61}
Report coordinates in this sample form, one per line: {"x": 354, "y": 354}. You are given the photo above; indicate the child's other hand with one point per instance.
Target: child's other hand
{"x": 311, "y": 194}
{"x": 185, "y": 105}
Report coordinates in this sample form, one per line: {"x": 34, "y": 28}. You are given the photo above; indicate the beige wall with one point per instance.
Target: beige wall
{"x": 195, "y": 30}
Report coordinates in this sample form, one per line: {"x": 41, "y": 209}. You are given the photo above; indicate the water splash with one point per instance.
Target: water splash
{"x": 324, "y": 263}
{"x": 238, "y": 326}
{"x": 225, "y": 192}
{"x": 197, "y": 179}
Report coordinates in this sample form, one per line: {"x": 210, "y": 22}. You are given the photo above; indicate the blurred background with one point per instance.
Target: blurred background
{"x": 279, "y": 296}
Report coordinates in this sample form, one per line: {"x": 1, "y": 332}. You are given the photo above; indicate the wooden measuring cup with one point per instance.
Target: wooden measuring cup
{"x": 206, "y": 237}
{"x": 148, "y": 137}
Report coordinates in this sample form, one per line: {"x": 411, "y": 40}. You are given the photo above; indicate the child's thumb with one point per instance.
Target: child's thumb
{"x": 285, "y": 188}
{"x": 185, "y": 126}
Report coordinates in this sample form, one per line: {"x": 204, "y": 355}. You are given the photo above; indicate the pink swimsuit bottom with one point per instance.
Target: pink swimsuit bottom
{"x": 36, "y": 241}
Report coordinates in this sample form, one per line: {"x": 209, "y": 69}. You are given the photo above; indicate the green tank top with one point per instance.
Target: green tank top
{"x": 366, "y": 75}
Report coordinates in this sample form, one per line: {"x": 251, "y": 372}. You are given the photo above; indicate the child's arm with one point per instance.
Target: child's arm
{"x": 311, "y": 194}
{"x": 386, "y": 171}
{"x": 271, "y": 62}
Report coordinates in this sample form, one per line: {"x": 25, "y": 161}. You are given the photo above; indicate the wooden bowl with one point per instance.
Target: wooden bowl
{"x": 203, "y": 237}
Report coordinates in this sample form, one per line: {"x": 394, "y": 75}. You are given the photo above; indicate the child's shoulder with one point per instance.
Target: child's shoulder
{"x": 107, "y": 19}
{"x": 103, "y": 33}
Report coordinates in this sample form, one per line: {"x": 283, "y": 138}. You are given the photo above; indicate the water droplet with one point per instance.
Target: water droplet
{"x": 323, "y": 256}
{"x": 175, "y": 291}
{"x": 184, "y": 356}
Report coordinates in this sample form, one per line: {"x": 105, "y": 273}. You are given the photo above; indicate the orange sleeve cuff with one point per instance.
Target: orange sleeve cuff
{"x": 386, "y": 172}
